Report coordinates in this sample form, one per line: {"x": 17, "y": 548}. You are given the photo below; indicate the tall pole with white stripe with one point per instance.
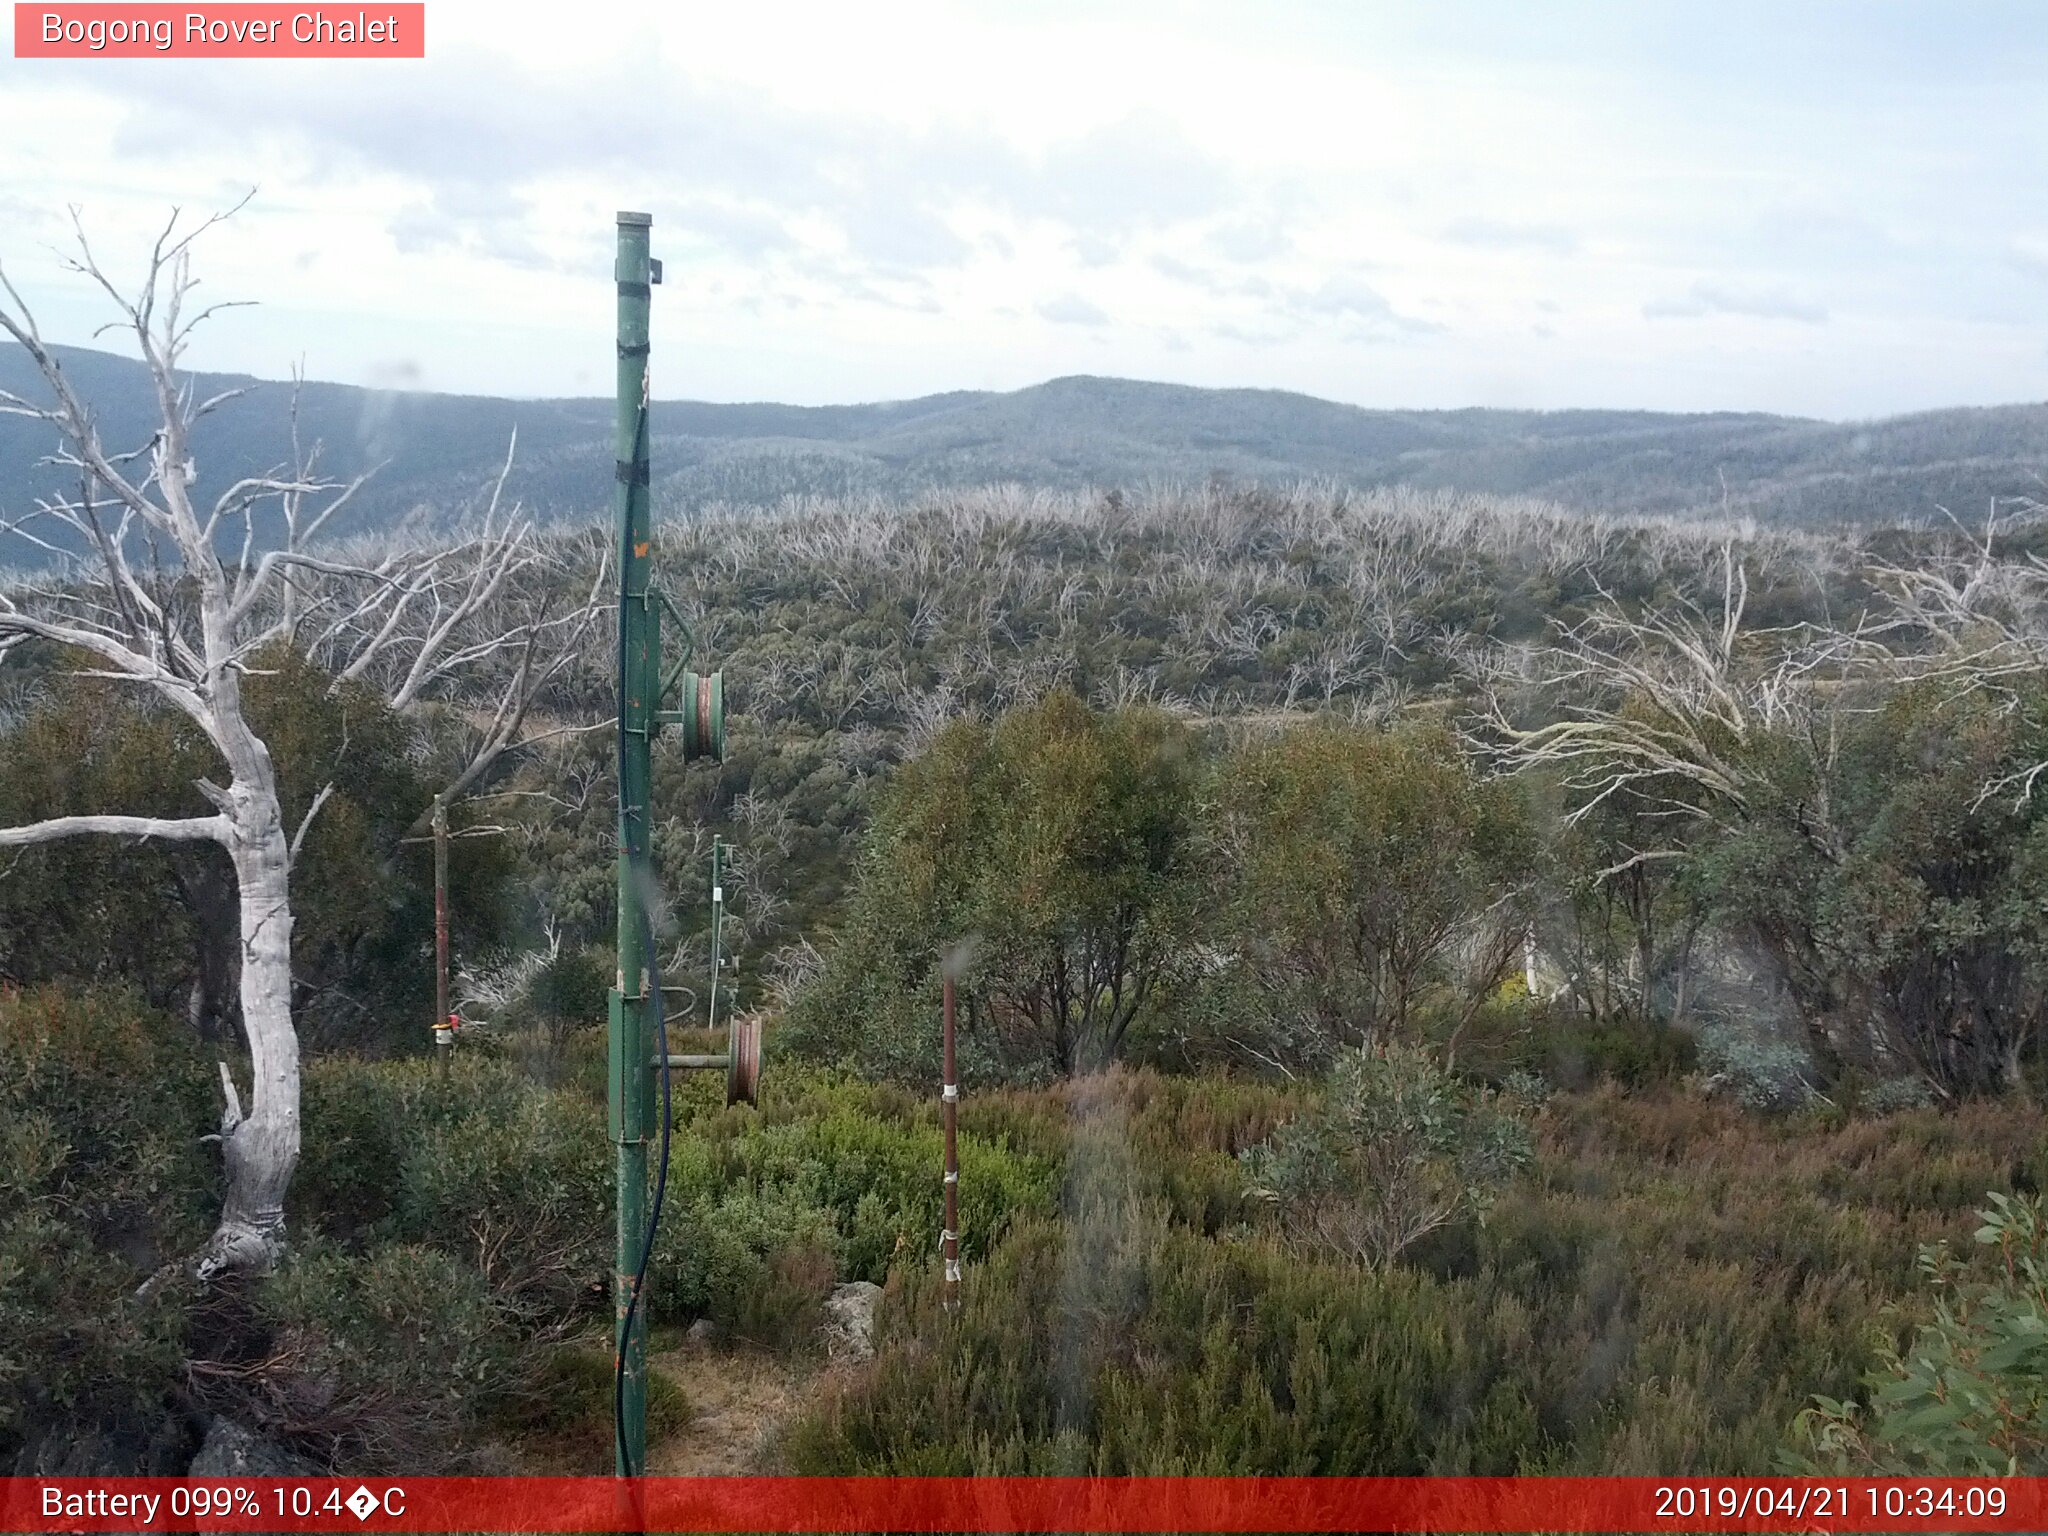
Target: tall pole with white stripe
{"x": 949, "y": 1235}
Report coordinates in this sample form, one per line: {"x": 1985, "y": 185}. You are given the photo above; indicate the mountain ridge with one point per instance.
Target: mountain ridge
{"x": 438, "y": 452}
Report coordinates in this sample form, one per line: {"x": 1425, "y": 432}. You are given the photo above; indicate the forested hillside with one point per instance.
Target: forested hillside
{"x": 1449, "y": 985}
{"x": 432, "y": 452}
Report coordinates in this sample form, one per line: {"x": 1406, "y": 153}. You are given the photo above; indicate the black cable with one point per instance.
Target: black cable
{"x": 653, "y": 977}
{"x": 660, "y": 1193}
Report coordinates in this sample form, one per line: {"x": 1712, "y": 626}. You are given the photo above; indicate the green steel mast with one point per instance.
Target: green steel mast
{"x": 633, "y": 992}
{"x": 639, "y": 1059}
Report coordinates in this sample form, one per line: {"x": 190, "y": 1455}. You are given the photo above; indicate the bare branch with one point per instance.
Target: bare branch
{"x": 187, "y": 829}
{"x": 306, "y": 822}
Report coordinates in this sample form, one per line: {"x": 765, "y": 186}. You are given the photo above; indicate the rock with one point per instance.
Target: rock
{"x": 703, "y": 1333}
{"x": 126, "y": 1447}
{"x": 230, "y": 1450}
{"x": 850, "y": 1320}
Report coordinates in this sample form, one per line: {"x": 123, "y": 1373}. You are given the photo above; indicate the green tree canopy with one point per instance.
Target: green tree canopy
{"x": 1370, "y": 877}
{"x": 163, "y": 917}
{"x": 1896, "y": 873}
{"x": 1051, "y": 856}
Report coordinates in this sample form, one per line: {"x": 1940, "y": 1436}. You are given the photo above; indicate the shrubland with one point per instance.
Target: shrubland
{"x": 1665, "y": 1289}
{"x": 1354, "y": 1082}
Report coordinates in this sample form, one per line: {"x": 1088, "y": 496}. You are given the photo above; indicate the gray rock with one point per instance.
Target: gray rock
{"x": 850, "y": 1320}
{"x": 703, "y": 1333}
{"x": 230, "y": 1450}
{"x": 130, "y": 1447}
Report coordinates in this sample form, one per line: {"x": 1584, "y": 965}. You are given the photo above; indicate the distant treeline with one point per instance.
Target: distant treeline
{"x": 435, "y": 454}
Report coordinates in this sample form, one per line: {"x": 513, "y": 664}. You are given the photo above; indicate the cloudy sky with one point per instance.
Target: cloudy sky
{"x": 1837, "y": 210}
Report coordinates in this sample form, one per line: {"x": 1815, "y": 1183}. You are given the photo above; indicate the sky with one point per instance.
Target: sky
{"x": 1826, "y": 209}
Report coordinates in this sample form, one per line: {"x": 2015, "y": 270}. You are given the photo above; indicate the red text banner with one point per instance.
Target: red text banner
{"x": 231, "y": 31}
{"x": 1021, "y": 1504}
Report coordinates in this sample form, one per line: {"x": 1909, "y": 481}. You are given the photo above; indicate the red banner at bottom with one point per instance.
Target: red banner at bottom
{"x": 1022, "y": 1504}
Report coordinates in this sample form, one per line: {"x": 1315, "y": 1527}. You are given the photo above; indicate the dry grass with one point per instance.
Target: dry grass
{"x": 741, "y": 1396}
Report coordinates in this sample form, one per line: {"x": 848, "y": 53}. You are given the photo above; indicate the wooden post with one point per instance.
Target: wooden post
{"x": 444, "y": 1031}
{"x": 949, "y": 1235}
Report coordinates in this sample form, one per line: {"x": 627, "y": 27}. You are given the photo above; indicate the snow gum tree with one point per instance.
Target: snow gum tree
{"x": 167, "y": 593}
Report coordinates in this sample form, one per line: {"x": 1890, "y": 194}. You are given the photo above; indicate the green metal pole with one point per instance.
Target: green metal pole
{"x": 632, "y": 1077}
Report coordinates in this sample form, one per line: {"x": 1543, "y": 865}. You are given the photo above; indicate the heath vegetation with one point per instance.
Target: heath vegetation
{"x": 1448, "y": 983}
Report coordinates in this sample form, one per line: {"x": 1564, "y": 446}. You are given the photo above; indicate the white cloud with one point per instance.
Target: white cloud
{"x": 1508, "y": 235}
{"x": 1072, "y": 309}
{"x": 1705, "y": 298}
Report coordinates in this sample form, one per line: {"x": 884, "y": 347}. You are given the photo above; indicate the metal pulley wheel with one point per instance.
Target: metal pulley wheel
{"x": 743, "y": 1059}
{"x": 701, "y": 708}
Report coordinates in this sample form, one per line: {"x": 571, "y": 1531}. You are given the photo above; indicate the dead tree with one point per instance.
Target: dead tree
{"x": 1975, "y": 621}
{"x": 180, "y": 599}
{"x": 1660, "y": 717}
{"x": 1663, "y": 706}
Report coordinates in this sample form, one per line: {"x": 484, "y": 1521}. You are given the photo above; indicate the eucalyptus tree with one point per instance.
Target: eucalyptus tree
{"x": 1854, "y": 799}
{"x": 181, "y": 598}
{"x": 1367, "y": 879}
{"x": 1053, "y": 850}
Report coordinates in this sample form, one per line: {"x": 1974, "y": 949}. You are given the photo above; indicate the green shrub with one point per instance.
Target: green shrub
{"x": 1667, "y": 1285}
{"x": 383, "y": 1361}
{"x": 119, "y": 1096}
{"x": 833, "y": 1179}
{"x": 510, "y": 1177}
{"x": 75, "y": 1341}
{"x": 570, "y": 1396}
{"x": 1581, "y": 1052}
{"x": 1569, "y": 1050}
{"x": 1890, "y": 1095}
{"x": 1392, "y": 1150}
{"x": 355, "y": 1125}
{"x": 520, "y": 1190}
{"x": 760, "y": 1263}
{"x": 880, "y": 1181}
{"x": 103, "y": 1178}
{"x": 1122, "y": 1344}
{"x": 1968, "y": 1397}
{"x": 1759, "y": 1072}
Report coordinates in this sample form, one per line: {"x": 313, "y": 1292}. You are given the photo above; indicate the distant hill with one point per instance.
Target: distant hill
{"x": 438, "y": 451}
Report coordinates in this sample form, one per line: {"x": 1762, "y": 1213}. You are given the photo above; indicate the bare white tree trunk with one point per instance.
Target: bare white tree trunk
{"x": 412, "y": 621}
{"x": 260, "y": 1149}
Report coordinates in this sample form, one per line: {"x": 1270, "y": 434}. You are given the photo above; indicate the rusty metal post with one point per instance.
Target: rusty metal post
{"x": 444, "y": 1032}
{"x": 949, "y": 1235}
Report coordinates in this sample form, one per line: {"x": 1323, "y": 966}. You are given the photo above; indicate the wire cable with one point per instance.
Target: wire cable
{"x": 652, "y": 974}
{"x": 660, "y": 1194}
